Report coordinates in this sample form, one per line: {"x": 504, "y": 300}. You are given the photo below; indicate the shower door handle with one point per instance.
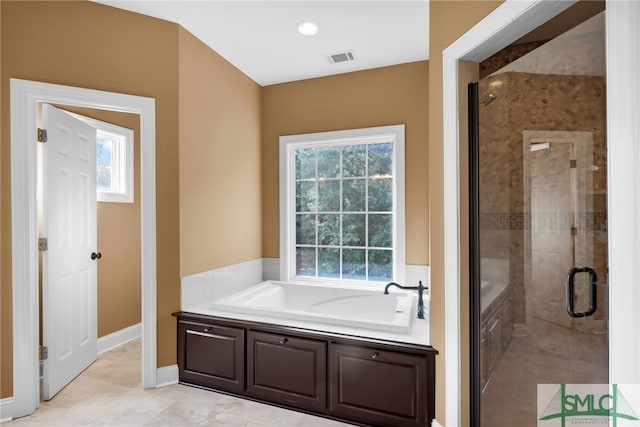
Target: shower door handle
{"x": 593, "y": 292}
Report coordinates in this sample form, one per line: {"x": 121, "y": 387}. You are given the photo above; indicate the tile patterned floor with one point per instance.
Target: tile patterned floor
{"x": 109, "y": 393}
{"x": 549, "y": 354}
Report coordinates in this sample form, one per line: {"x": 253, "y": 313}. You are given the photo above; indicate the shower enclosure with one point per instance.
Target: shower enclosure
{"x": 539, "y": 228}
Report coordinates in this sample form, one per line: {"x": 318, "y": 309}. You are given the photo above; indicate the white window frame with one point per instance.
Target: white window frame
{"x": 288, "y": 145}
{"x": 122, "y": 168}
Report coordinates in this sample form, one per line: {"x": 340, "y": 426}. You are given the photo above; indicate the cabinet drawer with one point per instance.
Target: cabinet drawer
{"x": 376, "y": 386}
{"x": 211, "y": 356}
{"x": 287, "y": 370}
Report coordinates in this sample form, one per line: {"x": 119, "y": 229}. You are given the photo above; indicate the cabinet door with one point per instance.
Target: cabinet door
{"x": 378, "y": 387}
{"x": 287, "y": 370}
{"x": 484, "y": 358}
{"x": 494, "y": 334}
{"x": 507, "y": 323}
{"x": 211, "y": 356}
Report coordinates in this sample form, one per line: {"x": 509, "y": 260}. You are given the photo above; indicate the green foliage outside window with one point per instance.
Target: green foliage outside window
{"x": 344, "y": 211}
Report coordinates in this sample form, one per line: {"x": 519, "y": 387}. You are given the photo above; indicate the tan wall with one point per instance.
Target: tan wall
{"x": 89, "y": 45}
{"x": 448, "y": 20}
{"x": 119, "y": 284}
{"x": 383, "y": 96}
{"x": 220, "y": 204}
{"x": 77, "y": 42}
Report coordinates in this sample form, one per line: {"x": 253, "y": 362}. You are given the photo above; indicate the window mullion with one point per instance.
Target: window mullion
{"x": 293, "y": 193}
{"x": 366, "y": 213}
{"x": 340, "y": 211}
{"x": 317, "y": 200}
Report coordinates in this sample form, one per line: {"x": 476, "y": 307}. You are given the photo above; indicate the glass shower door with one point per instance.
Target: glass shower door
{"x": 541, "y": 249}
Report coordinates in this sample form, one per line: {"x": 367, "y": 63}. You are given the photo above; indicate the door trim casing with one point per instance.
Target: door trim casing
{"x": 623, "y": 188}
{"x": 25, "y": 96}
{"x": 504, "y": 25}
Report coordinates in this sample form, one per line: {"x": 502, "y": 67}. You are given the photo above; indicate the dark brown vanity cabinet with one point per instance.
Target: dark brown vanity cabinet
{"x": 361, "y": 380}
{"x": 386, "y": 388}
{"x": 211, "y": 356}
{"x": 496, "y": 331}
{"x": 287, "y": 370}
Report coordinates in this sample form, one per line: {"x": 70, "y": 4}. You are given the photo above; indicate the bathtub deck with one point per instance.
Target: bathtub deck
{"x": 418, "y": 329}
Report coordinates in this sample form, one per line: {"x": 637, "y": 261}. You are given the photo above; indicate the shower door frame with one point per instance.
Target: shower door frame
{"x": 504, "y": 25}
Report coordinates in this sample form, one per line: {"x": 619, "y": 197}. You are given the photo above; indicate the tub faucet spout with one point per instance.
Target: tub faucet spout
{"x": 420, "y": 288}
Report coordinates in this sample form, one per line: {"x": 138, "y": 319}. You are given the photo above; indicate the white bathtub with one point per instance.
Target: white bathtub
{"x": 351, "y": 306}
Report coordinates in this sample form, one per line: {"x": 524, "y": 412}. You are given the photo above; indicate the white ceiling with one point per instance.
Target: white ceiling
{"x": 261, "y": 39}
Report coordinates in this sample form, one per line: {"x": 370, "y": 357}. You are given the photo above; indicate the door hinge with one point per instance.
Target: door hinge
{"x": 574, "y": 231}
{"x": 43, "y": 244}
{"x": 44, "y": 353}
{"x": 573, "y": 163}
{"x": 42, "y": 135}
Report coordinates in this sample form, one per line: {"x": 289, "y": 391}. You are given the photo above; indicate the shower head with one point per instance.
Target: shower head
{"x": 488, "y": 99}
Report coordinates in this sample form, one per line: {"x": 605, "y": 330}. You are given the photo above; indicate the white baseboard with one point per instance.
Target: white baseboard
{"x": 6, "y": 409}
{"x": 117, "y": 338}
{"x": 167, "y": 375}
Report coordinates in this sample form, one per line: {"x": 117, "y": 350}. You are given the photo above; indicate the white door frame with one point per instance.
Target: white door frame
{"x": 504, "y": 25}
{"x": 25, "y": 96}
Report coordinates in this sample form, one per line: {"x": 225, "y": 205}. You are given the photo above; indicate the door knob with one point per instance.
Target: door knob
{"x": 96, "y": 255}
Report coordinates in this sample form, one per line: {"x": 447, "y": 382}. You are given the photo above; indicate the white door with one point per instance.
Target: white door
{"x": 69, "y": 272}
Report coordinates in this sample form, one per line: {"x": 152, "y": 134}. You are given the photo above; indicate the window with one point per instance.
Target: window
{"x": 114, "y": 158}
{"x": 111, "y": 173}
{"x": 342, "y": 206}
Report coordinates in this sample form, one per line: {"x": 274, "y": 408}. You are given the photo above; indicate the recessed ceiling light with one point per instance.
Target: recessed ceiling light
{"x": 307, "y": 28}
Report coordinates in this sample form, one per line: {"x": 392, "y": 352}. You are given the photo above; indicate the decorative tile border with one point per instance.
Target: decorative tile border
{"x": 543, "y": 221}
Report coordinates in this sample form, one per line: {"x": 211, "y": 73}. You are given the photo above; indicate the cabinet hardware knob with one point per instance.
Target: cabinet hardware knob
{"x": 283, "y": 341}
{"x": 375, "y": 355}
{"x": 206, "y": 329}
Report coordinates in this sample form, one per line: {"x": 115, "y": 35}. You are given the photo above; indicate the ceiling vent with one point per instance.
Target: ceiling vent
{"x": 346, "y": 56}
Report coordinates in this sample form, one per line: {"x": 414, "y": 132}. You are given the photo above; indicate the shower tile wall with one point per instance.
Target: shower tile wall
{"x": 533, "y": 102}
{"x": 507, "y": 56}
